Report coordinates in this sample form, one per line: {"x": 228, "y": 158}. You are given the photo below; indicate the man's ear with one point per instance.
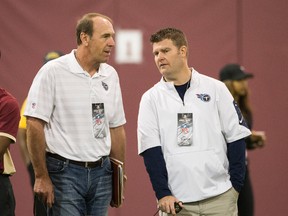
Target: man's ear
{"x": 183, "y": 50}
{"x": 84, "y": 38}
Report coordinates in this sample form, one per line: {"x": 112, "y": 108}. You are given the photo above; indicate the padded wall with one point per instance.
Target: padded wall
{"x": 252, "y": 33}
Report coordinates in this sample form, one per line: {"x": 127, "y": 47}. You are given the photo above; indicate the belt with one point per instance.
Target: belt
{"x": 79, "y": 163}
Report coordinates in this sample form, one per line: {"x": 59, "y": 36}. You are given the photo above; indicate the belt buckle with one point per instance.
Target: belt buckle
{"x": 86, "y": 164}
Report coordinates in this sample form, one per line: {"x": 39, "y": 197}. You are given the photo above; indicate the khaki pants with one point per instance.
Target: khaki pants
{"x": 222, "y": 205}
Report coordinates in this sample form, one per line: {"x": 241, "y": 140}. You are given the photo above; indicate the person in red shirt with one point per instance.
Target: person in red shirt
{"x": 9, "y": 120}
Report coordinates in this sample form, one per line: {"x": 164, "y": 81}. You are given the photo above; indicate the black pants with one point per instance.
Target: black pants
{"x": 7, "y": 200}
{"x": 39, "y": 208}
{"x": 246, "y": 199}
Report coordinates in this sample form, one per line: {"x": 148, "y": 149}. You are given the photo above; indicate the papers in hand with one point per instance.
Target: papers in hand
{"x": 118, "y": 182}
{"x": 9, "y": 168}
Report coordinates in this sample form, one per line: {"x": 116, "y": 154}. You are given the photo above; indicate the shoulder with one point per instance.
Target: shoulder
{"x": 207, "y": 82}
{"x": 106, "y": 69}
{"x": 9, "y": 115}
{"x": 153, "y": 90}
{"x": 153, "y": 94}
{"x": 210, "y": 85}
{"x": 7, "y": 101}
{"x": 207, "y": 79}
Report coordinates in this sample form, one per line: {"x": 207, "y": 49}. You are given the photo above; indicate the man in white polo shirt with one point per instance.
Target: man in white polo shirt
{"x": 191, "y": 135}
{"x": 75, "y": 120}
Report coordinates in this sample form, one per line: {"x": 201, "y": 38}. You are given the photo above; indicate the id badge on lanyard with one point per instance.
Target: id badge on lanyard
{"x": 98, "y": 119}
{"x": 185, "y": 129}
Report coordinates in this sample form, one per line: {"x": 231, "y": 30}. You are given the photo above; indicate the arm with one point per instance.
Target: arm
{"x": 149, "y": 146}
{"x": 4, "y": 144}
{"x": 118, "y": 143}
{"x": 21, "y": 136}
{"x": 36, "y": 147}
{"x": 237, "y": 168}
{"x": 256, "y": 140}
{"x": 156, "y": 168}
{"x": 9, "y": 120}
{"x": 118, "y": 146}
{"x": 21, "y": 140}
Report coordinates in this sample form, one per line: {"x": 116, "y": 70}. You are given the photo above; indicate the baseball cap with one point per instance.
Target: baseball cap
{"x": 234, "y": 72}
{"x": 52, "y": 55}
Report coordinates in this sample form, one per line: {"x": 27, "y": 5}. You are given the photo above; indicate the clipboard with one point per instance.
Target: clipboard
{"x": 117, "y": 182}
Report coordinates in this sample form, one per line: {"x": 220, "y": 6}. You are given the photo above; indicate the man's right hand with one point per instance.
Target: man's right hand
{"x": 43, "y": 188}
{"x": 166, "y": 204}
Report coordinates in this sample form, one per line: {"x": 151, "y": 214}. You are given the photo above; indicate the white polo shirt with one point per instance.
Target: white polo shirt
{"x": 200, "y": 170}
{"x": 62, "y": 94}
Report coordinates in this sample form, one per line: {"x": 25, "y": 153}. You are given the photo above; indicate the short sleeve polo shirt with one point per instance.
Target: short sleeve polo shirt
{"x": 62, "y": 95}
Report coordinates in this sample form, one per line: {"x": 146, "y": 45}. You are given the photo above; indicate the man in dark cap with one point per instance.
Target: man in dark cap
{"x": 236, "y": 79}
{"x": 39, "y": 208}
{"x": 234, "y": 72}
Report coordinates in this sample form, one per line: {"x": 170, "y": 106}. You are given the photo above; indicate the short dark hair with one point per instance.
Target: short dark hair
{"x": 85, "y": 24}
{"x": 177, "y": 36}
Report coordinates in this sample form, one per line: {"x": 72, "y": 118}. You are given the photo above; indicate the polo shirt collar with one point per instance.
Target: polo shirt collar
{"x": 77, "y": 69}
{"x": 170, "y": 85}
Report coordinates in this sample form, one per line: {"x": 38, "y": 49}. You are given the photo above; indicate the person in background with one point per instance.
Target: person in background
{"x": 39, "y": 209}
{"x": 191, "y": 135}
{"x": 9, "y": 120}
{"x": 68, "y": 143}
{"x": 236, "y": 79}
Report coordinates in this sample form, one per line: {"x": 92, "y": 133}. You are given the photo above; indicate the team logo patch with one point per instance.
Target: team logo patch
{"x": 33, "y": 105}
{"x": 240, "y": 116}
{"x": 204, "y": 97}
{"x": 105, "y": 86}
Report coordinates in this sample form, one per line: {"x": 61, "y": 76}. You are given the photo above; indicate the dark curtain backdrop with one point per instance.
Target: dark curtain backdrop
{"x": 250, "y": 32}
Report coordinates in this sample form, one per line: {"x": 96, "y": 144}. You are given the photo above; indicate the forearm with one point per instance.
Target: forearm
{"x": 236, "y": 156}
{"x": 22, "y": 141}
{"x": 118, "y": 143}
{"x": 156, "y": 168}
{"x": 4, "y": 144}
{"x": 37, "y": 146}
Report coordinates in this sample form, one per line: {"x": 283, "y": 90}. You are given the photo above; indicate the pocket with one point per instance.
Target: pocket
{"x": 107, "y": 165}
{"x": 54, "y": 165}
{"x": 197, "y": 162}
{"x": 235, "y": 192}
{"x": 203, "y": 172}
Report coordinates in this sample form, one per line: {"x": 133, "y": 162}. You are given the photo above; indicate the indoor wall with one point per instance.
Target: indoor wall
{"x": 252, "y": 33}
